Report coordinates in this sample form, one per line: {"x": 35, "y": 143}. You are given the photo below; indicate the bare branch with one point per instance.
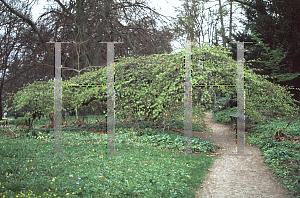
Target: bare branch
{"x": 86, "y": 68}
{"x": 27, "y": 20}
{"x": 65, "y": 9}
{"x": 245, "y": 3}
{"x": 138, "y": 4}
{"x": 53, "y": 11}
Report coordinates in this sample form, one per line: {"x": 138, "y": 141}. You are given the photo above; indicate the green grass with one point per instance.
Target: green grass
{"x": 150, "y": 164}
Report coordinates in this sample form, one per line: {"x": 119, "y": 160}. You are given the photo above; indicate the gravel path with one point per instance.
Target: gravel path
{"x": 237, "y": 176}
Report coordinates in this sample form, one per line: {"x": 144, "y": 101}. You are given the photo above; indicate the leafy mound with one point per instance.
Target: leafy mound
{"x": 152, "y": 87}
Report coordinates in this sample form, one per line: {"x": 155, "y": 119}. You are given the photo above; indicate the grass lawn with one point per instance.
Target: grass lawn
{"x": 150, "y": 163}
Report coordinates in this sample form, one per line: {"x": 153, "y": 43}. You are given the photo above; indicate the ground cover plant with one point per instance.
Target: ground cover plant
{"x": 279, "y": 141}
{"x": 150, "y": 164}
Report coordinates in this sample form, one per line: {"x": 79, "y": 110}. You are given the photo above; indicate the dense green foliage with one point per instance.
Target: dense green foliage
{"x": 273, "y": 61}
{"x": 153, "y": 86}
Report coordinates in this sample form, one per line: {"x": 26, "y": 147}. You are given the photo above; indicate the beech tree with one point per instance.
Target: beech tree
{"x": 85, "y": 23}
{"x": 146, "y": 86}
{"x": 81, "y": 24}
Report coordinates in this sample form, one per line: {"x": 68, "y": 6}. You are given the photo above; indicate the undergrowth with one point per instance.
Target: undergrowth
{"x": 150, "y": 163}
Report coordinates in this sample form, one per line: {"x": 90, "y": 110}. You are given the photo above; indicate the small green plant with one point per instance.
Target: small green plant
{"x": 224, "y": 115}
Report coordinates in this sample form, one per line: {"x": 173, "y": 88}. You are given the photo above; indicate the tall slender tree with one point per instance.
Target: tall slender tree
{"x": 222, "y": 24}
{"x": 198, "y": 19}
{"x": 188, "y": 25}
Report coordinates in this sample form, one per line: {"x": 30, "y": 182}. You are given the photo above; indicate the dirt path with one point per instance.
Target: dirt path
{"x": 237, "y": 176}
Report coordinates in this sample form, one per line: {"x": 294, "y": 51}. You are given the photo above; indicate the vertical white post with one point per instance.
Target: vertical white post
{"x": 187, "y": 100}
{"x": 57, "y": 99}
{"x": 110, "y": 144}
{"x": 240, "y": 129}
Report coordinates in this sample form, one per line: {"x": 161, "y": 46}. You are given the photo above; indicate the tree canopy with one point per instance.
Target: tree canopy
{"x": 274, "y": 25}
{"x": 150, "y": 85}
{"x": 84, "y": 22}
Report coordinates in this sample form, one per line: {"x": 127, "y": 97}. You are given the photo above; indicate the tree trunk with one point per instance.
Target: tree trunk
{"x": 230, "y": 21}
{"x": 1, "y": 104}
{"x": 216, "y": 36}
{"x": 100, "y": 34}
{"x": 1, "y": 90}
{"x": 222, "y": 25}
{"x": 80, "y": 24}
